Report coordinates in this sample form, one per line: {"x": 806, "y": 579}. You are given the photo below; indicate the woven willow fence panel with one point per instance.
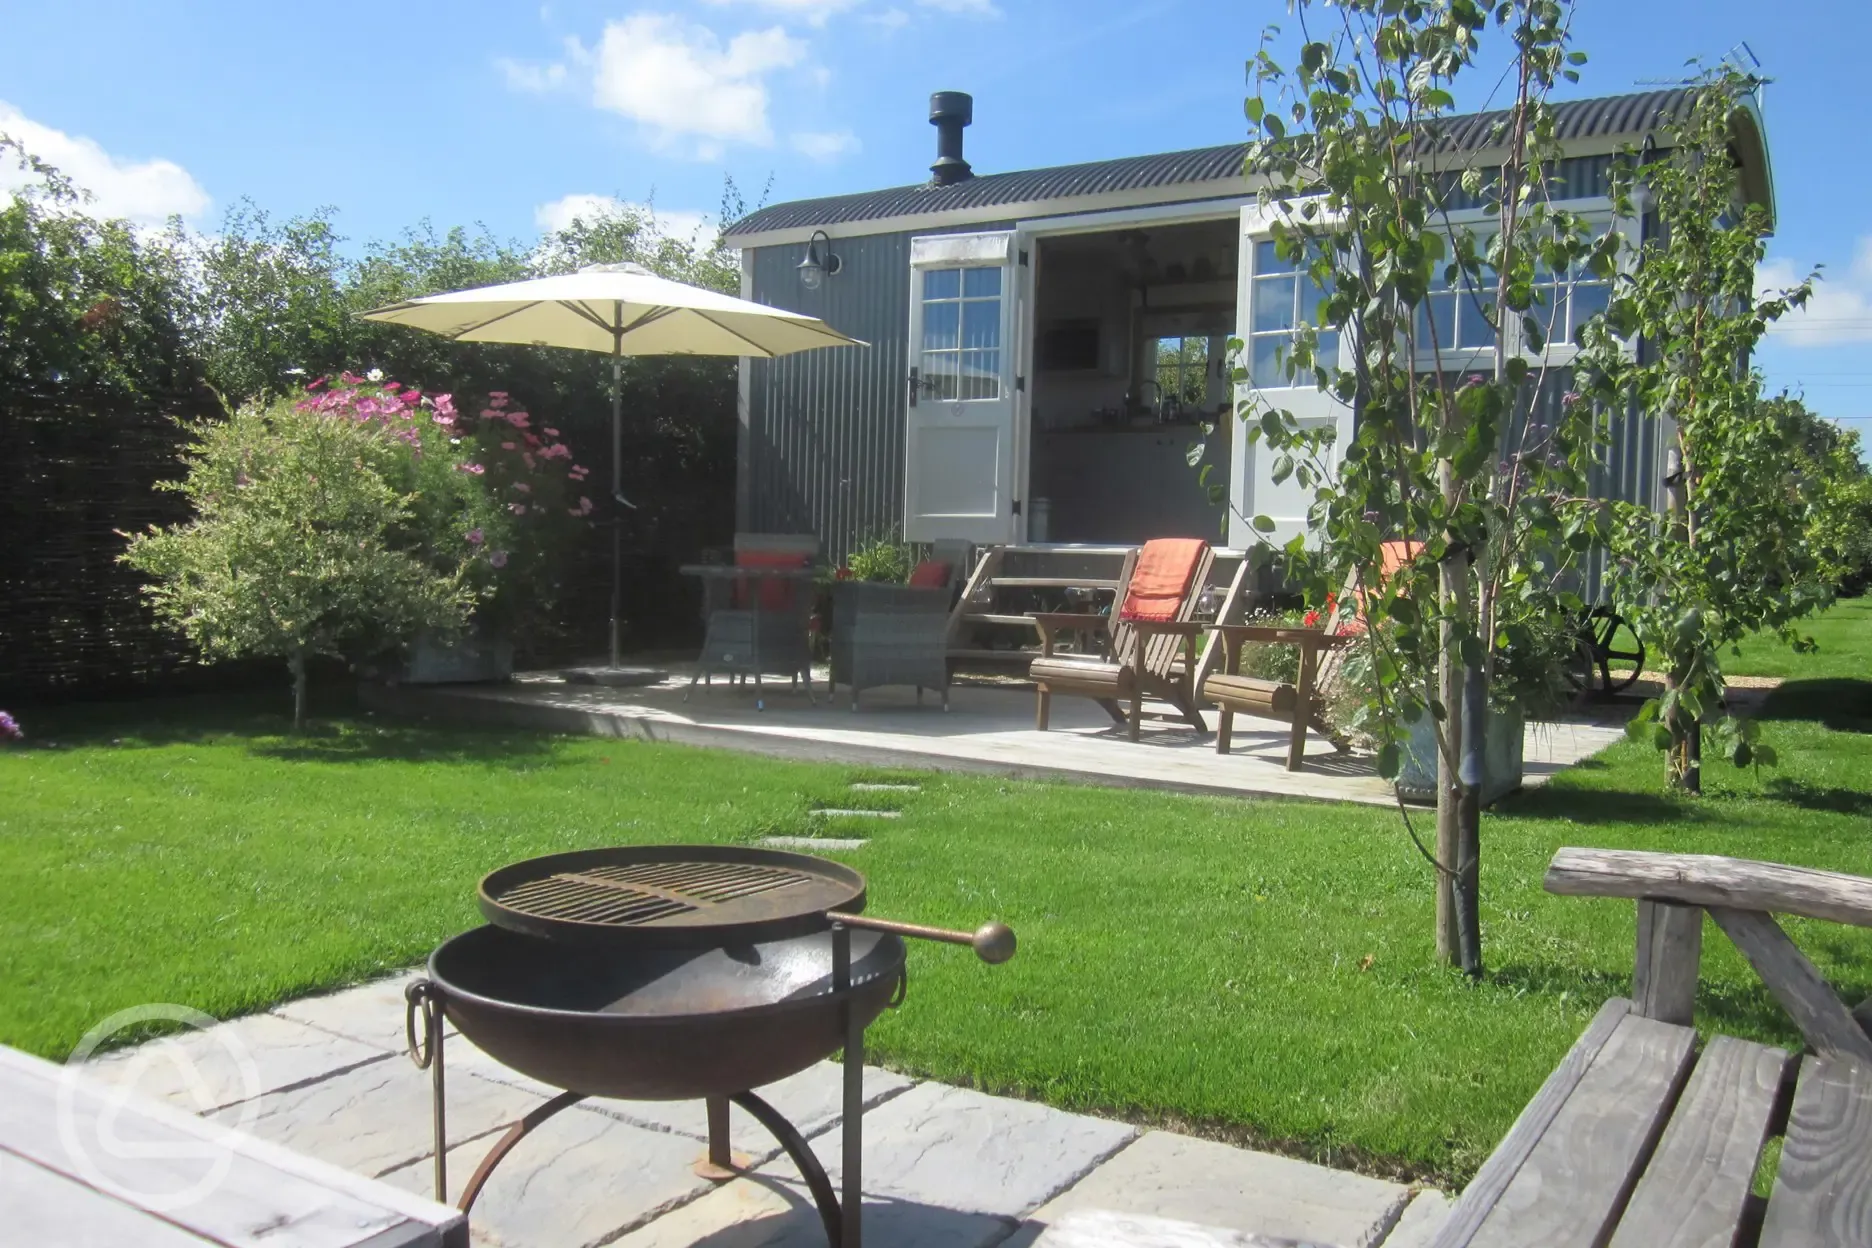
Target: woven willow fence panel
{"x": 76, "y": 468}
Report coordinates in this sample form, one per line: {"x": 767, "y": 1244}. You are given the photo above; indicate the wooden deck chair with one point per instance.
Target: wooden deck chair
{"x": 1151, "y": 639}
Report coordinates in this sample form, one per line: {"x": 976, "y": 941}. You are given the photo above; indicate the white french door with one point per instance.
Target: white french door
{"x": 1276, "y": 296}
{"x": 959, "y": 474}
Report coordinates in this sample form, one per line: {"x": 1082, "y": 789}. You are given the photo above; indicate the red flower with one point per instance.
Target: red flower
{"x": 1311, "y": 619}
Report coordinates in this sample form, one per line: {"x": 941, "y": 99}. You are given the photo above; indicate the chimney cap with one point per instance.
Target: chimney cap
{"x": 949, "y": 112}
{"x": 956, "y": 106}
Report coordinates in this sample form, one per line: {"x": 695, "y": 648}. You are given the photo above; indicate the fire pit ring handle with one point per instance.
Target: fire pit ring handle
{"x": 423, "y": 998}
{"x": 993, "y": 942}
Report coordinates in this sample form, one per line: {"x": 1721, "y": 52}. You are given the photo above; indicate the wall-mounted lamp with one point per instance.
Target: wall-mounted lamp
{"x": 813, "y": 270}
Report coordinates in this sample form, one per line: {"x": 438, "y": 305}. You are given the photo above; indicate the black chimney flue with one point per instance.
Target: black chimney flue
{"x": 949, "y": 112}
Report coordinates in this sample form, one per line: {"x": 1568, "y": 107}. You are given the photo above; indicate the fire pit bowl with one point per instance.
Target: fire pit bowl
{"x": 660, "y": 1025}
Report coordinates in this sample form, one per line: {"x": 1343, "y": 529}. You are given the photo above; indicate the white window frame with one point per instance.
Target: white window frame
{"x": 1251, "y": 278}
{"x": 1559, "y": 351}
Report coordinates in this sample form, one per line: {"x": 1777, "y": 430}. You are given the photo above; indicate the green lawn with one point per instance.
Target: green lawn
{"x": 1257, "y": 970}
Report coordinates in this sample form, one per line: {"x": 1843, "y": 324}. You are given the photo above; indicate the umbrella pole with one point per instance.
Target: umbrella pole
{"x": 617, "y": 488}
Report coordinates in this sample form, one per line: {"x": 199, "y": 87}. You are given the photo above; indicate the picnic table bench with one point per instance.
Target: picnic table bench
{"x": 1643, "y": 1137}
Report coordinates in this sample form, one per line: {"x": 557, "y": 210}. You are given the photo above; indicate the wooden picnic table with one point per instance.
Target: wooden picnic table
{"x": 85, "y": 1163}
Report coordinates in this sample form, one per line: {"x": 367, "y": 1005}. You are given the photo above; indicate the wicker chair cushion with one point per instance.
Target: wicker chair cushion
{"x": 774, "y": 595}
{"x": 931, "y": 574}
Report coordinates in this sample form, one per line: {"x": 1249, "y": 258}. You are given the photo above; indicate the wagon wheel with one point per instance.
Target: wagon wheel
{"x": 1617, "y": 653}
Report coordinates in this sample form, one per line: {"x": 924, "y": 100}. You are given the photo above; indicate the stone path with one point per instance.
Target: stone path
{"x": 945, "y": 1167}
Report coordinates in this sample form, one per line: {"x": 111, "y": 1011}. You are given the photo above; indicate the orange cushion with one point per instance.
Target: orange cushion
{"x": 774, "y": 595}
{"x": 931, "y": 574}
{"x": 1161, "y": 579}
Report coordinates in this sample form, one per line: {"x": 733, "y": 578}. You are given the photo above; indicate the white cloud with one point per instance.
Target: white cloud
{"x": 825, "y": 146}
{"x": 1840, "y": 310}
{"x": 812, "y": 12}
{"x": 889, "y": 19}
{"x": 557, "y": 214}
{"x": 147, "y": 192}
{"x": 971, "y": 8}
{"x": 682, "y": 81}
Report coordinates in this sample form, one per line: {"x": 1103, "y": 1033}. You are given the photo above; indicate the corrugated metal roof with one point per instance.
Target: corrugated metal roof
{"x": 1574, "y": 120}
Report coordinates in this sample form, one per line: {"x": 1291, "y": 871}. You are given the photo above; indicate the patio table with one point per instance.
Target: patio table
{"x": 82, "y": 1162}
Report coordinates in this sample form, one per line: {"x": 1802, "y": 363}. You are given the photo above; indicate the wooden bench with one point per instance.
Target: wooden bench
{"x": 1644, "y": 1138}
{"x": 1295, "y": 704}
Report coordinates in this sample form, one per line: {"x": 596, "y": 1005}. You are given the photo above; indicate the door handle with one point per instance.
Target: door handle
{"x": 914, "y": 387}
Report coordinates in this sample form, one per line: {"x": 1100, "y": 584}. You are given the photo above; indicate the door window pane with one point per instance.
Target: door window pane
{"x": 981, "y": 283}
{"x": 942, "y": 283}
{"x": 939, "y": 326}
{"x": 1273, "y": 303}
{"x": 961, "y": 348}
{"x": 1282, "y": 299}
{"x": 981, "y": 323}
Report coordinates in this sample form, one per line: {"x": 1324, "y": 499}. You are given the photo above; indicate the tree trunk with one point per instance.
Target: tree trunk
{"x": 1449, "y": 787}
{"x": 298, "y": 665}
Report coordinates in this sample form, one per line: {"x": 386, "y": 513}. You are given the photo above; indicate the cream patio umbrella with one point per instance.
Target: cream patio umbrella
{"x": 620, "y": 309}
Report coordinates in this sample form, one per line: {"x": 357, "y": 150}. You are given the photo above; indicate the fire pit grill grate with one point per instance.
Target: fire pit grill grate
{"x": 665, "y": 896}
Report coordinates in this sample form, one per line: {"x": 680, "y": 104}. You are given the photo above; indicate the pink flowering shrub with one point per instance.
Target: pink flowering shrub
{"x": 483, "y": 485}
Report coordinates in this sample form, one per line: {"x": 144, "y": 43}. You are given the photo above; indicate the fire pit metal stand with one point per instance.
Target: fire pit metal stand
{"x": 842, "y": 1214}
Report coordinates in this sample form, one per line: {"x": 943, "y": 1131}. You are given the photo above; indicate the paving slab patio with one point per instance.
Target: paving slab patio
{"x": 945, "y": 1167}
{"x": 989, "y": 729}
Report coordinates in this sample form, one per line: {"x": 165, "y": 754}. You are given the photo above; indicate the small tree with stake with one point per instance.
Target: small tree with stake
{"x": 1446, "y": 454}
{"x": 292, "y": 550}
{"x": 1729, "y": 557}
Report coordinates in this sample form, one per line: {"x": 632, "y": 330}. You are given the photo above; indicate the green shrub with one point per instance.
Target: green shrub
{"x": 298, "y": 546}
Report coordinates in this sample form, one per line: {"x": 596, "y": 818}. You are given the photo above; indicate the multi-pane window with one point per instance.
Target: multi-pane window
{"x": 1183, "y": 370}
{"x": 961, "y": 349}
{"x": 1284, "y": 297}
{"x": 1566, "y": 301}
{"x": 1457, "y": 312}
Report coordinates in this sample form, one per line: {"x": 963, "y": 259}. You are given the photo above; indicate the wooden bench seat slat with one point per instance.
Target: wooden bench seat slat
{"x": 1572, "y": 1183}
{"x": 1694, "y": 1192}
{"x": 1536, "y": 1116}
{"x": 1576, "y": 1181}
{"x": 1822, "y": 1194}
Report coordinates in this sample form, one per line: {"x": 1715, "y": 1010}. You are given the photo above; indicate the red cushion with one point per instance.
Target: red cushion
{"x": 1161, "y": 578}
{"x": 931, "y": 574}
{"x": 775, "y": 595}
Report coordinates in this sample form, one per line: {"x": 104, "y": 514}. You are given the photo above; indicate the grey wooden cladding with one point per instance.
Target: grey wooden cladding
{"x": 144, "y": 1156}
{"x": 1572, "y": 1188}
{"x": 1822, "y": 1018}
{"x": 1709, "y": 880}
{"x": 1670, "y": 953}
{"x": 1823, "y": 1189}
{"x": 1695, "y": 1189}
{"x": 1478, "y": 1199}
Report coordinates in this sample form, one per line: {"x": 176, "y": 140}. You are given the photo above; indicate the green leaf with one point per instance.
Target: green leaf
{"x": 1263, "y": 524}
{"x": 1388, "y": 761}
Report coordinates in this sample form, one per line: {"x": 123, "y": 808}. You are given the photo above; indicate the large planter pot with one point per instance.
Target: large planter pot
{"x": 1501, "y": 758}
{"x": 886, "y": 634}
{"x": 466, "y": 660}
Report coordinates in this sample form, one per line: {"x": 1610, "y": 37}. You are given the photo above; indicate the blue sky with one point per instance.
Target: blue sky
{"x": 480, "y": 112}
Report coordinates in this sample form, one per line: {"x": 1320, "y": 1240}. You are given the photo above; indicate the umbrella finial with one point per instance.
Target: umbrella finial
{"x": 628, "y": 266}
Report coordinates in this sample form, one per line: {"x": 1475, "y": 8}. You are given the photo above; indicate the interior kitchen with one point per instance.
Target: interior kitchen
{"x": 1131, "y": 331}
